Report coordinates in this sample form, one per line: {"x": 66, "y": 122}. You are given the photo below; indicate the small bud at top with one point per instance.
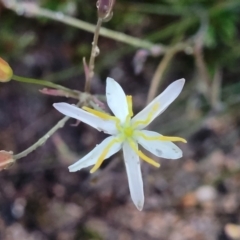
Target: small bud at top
{"x": 5, "y": 71}
{"x": 105, "y": 9}
{"x": 6, "y": 159}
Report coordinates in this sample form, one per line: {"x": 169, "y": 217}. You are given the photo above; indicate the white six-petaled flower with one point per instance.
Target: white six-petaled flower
{"x": 127, "y": 133}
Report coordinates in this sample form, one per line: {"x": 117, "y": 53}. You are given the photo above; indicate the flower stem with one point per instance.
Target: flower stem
{"x": 159, "y": 74}
{"x": 94, "y": 53}
{"x": 68, "y": 91}
{"x": 42, "y": 140}
{"x": 164, "y": 63}
{"x": 36, "y": 11}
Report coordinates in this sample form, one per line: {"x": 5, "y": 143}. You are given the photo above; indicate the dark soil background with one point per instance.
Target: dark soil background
{"x": 194, "y": 198}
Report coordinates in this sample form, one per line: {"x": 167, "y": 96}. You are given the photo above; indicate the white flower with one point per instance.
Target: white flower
{"x": 127, "y": 133}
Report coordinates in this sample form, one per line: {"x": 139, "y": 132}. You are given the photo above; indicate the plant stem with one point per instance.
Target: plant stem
{"x": 42, "y": 140}
{"x": 216, "y": 89}
{"x": 203, "y": 71}
{"x": 69, "y": 92}
{"x": 34, "y": 10}
{"x": 94, "y": 53}
{"x": 161, "y": 69}
{"x": 121, "y": 37}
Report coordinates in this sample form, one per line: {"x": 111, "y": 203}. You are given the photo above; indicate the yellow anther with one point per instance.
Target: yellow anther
{"x": 103, "y": 115}
{"x": 103, "y": 155}
{"x": 161, "y": 138}
{"x": 172, "y": 139}
{"x": 129, "y": 102}
{"x": 148, "y": 159}
{"x": 143, "y": 156}
{"x": 149, "y": 116}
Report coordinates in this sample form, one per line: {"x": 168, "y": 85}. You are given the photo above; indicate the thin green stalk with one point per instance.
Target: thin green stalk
{"x": 121, "y": 37}
{"x": 44, "y": 83}
{"x": 42, "y": 140}
{"x": 60, "y": 17}
{"x": 94, "y": 53}
{"x": 158, "y": 75}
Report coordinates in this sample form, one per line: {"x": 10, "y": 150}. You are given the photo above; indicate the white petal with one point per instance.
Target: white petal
{"x": 116, "y": 99}
{"x": 134, "y": 174}
{"x": 92, "y": 157}
{"x": 108, "y": 126}
{"x": 163, "y": 100}
{"x": 163, "y": 149}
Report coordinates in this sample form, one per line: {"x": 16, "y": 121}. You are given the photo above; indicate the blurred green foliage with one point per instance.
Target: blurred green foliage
{"x": 85, "y": 234}
{"x": 161, "y": 21}
{"x": 12, "y": 41}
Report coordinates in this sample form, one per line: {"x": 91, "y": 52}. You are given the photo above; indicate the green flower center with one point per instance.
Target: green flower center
{"x": 128, "y": 132}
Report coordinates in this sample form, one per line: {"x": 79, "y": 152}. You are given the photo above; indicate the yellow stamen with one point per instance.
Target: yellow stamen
{"x": 161, "y": 138}
{"x": 149, "y": 116}
{"x": 103, "y": 115}
{"x": 129, "y": 102}
{"x": 172, "y": 139}
{"x": 143, "y": 156}
{"x": 103, "y": 155}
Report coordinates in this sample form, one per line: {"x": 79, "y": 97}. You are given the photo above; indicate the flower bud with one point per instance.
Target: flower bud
{"x": 5, "y": 71}
{"x": 6, "y": 159}
{"x": 105, "y": 9}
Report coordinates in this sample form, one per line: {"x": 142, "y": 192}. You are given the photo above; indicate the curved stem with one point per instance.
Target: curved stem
{"x": 162, "y": 67}
{"x": 159, "y": 74}
{"x": 42, "y": 140}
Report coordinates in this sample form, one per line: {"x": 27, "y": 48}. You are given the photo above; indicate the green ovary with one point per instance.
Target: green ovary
{"x": 128, "y": 132}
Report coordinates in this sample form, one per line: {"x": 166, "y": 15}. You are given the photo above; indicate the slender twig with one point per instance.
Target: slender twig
{"x": 121, "y": 37}
{"x": 161, "y": 69}
{"x": 203, "y": 71}
{"x": 71, "y": 93}
{"x": 94, "y": 53}
{"x": 198, "y": 40}
{"x": 42, "y": 140}
{"x": 33, "y": 10}
{"x": 216, "y": 89}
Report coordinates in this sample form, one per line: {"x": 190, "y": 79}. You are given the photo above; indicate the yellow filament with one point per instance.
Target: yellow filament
{"x": 103, "y": 115}
{"x": 129, "y": 102}
{"x": 143, "y": 156}
{"x": 172, "y": 139}
{"x": 103, "y": 155}
{"x": 149, "y": 116}
{"x": 161, "y": 138}
{"x": 97, "y": 113}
